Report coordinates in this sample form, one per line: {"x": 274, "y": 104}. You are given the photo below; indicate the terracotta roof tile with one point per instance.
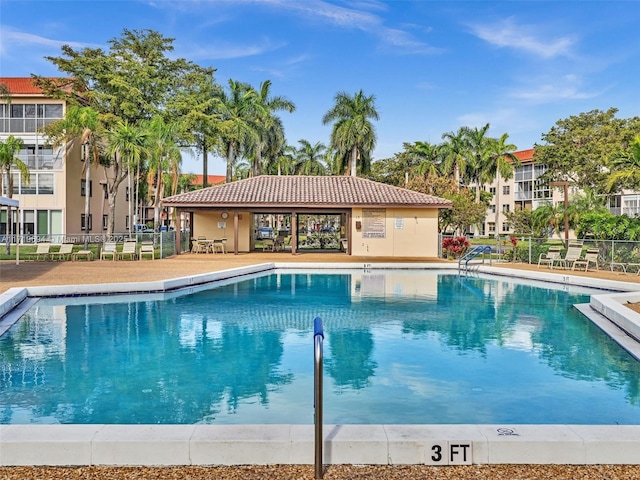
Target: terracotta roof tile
{"x": 20, "y": 86}
{"x": 305, "y": 191}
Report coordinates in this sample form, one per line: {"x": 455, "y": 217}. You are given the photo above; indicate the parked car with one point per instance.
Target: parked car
{"x": 264, "y": 232}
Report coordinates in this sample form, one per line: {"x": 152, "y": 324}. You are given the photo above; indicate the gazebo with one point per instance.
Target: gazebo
{"x": 376, "y": 219}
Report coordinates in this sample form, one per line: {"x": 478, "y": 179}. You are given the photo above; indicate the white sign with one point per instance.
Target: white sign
{"x": 399, "y": 223}
{"x": 222, "y": 224}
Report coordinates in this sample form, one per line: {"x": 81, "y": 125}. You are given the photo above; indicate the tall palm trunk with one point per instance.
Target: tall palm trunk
{"x": 230, "y": 160}
{"x": 353, "y": 160}
{"x": 87, "y": 198}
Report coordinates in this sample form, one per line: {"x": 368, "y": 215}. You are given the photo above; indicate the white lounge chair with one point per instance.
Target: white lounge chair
{"x": 548, "y": 258}
{"x": 590, "y": 257}
{"x": 574, "y": 252}
{"x": 130, "y": 249}
{"x": 146, "y": 248}
{"x": 110, "y": 249}
{"x": 64, "y": 253}
{"x": 42, "y": 251}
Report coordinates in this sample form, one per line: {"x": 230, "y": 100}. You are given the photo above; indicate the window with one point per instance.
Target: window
{"x": 492, "y": 227}
{"x": 506, "y": 189}
{"x": 45, "y": 183}
{"x": 492, "y": 208}
{"x": 29, "y": 117}
{"x": 82, "y": 222}
{"x": 492, "y": 190}
{"x": 127, "y": 194}
{"x": 505, "y": 227}
{"x": 83, "y": 188}
{"x": 105, "y": 222}
{"x": 105, "y": 190}
{"x": 505, "y": 208}
{"x": 126, "y": 222}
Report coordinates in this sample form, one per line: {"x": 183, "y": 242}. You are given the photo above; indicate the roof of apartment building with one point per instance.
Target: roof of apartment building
{"x": 305, "y": 191}
{"x": 524, "y": 155}
{"x": 20, "y": 86}
{"x": 211, "y": 179}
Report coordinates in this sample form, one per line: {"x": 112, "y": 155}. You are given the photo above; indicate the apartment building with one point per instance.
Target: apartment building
{"x": 52, "y": 202}
{"x": 525, "y": 191}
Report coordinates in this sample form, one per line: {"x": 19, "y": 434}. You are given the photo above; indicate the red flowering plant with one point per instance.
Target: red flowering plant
{"x": 454, "y": 247}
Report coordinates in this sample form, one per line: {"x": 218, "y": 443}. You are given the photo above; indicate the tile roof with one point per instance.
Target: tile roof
{"x": 20, "y": 86}
{"x": 524, "y": 155}
{"x": 211, "y": 179}
{"x": 305, "y": 191}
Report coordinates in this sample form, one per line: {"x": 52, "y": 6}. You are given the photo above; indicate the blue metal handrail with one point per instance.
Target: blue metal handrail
{"x": 473, "y": 253}
{"x": 318, "y": 338}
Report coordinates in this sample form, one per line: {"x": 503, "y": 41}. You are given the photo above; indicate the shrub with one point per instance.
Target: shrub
{"x": 455, "y": 247}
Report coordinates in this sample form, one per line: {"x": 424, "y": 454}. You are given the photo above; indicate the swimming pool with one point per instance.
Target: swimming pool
{"x": 401, "y": 347}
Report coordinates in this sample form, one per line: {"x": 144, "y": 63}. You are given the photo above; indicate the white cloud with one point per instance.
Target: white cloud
{"x": 567, "y": 87}
{"x": 225, "y": 51}
{"x": 11, "y": 39}
{"x": 508, "y": 34}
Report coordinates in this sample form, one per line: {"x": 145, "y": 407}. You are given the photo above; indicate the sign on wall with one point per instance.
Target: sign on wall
{"x": 373, "y": 223}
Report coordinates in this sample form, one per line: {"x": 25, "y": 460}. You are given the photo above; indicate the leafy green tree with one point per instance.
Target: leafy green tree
{"x": 131, "y": 82}
{"x": 577, "y": 148}
{"x": 195, "y": 104}
{"x": 353, "y": 135}
{"x": 8, "y": 160}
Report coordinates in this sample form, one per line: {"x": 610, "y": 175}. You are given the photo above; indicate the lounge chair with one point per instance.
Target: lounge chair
{"x": 130, "y": 249}
{"x": 546, "y": 258}
{"x": 574, "y": 252}
{"x": 146, "y": 248}
{"x": 268, "y": 244}
{"x": 42, "y": 251}
{"x": 64, "y": 253}
{"x": 590, "y": 257}
{"x": 110, "y": 249}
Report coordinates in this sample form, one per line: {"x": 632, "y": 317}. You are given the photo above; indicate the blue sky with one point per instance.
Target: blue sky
{"x": 433, "y": 66}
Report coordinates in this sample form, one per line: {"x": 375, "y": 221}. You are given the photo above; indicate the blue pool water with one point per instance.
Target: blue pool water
{"x": 400, "y": 348}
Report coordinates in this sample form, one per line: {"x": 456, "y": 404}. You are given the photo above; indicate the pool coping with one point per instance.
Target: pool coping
{"x": 119, "y": 445}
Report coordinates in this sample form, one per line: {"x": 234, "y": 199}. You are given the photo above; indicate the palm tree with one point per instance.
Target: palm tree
{"x": 309, "y": 158}
{"x": 237, "y": 109}
{"x": 478, "y": 155}
{"x": 266, "y": 124}
{"x": 353, "y": 134}
{"x": 428, "y": 156}
{"x": 126, "y": 143}
{"x": 8, "y": 159}
{"x": 164, "y": 155}
{"x": 455, "y": 154}
{"x": 500, "y": 163}
{"x": 80, "y": 126}
{"x": 625, "y": 169}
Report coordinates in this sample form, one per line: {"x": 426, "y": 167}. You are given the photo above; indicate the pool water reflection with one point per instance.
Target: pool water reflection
{"x": 401, "y": 347}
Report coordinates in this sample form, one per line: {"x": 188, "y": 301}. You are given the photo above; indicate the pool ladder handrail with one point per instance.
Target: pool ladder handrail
{"x": 318, "y": 338}
{"x": 473, "y": 253}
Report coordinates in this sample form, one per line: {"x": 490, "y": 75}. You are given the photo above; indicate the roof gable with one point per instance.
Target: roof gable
{"x": 305, "y": 191}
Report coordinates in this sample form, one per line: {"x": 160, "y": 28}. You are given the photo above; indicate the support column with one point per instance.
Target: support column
{"x": 294, "y": 232}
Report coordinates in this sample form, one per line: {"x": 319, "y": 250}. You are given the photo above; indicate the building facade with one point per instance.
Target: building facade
{"x": 52, "y": 202}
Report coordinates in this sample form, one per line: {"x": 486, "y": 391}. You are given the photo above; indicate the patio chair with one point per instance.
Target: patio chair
{"x": 218, "y": 245}
{"x": 110, "y": 249}
{"x": 547, "y": 258}
{"x": 590, "y": 257}
{"x": 130, "y": 249}
{"x": 268, "y": 244}
{"x": 574, "y": 252}
{"x": 42, "y": 251}
{"x": 64, "y": 253}
{"x": 146, "y": 248}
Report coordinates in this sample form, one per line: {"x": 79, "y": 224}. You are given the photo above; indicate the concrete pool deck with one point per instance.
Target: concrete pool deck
{"x": 343, "y": 444}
